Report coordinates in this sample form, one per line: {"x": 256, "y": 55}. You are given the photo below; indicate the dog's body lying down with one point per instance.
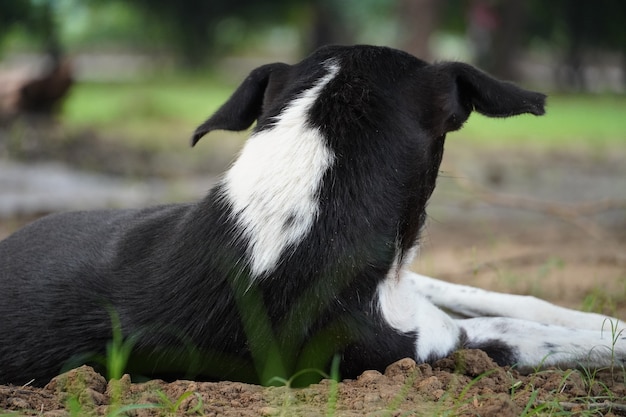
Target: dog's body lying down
{"x": 298, "y": 254}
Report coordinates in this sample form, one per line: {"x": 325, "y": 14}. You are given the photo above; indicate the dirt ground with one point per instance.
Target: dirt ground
{"x": 550, "y": 224}
{"x": 465, "y": 384}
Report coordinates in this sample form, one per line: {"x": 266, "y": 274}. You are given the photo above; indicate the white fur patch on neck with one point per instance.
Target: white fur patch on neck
{"x": 273, "y": 185}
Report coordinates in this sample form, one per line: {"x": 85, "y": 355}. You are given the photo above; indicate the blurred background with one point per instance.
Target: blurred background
{"x": 98, "y": 100}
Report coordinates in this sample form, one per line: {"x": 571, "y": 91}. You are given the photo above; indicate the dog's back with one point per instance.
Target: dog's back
{"x": 59, "y": 273}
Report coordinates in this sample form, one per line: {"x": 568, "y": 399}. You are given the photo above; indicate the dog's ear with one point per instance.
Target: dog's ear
{"x": 466, "y": 88}
{"x": 244, "y": 106}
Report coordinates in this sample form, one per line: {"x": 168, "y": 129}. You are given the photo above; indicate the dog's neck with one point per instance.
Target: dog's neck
{"x": 273, "y": 185}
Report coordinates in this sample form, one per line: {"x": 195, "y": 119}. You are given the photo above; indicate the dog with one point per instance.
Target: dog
{"x": 299, "y": 256}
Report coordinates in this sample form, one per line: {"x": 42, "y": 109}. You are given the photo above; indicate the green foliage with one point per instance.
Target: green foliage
{"x": 570, "y": 22}
{"x": 333, "y": 395}
{"x": 191, "y": 26}
{"x": 118, "y": 349}
{"x": 104, "y": 25}
{"x": 13, "y": 12}
{"x": 35, "y": 18}
{"x": 599, "y": 300}
{"x": 270, "y": 362}
{"x": 173, "y": 407}
{"x": 199, "y": 29}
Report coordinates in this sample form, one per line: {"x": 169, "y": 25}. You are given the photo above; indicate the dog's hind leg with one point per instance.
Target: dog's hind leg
{"x": 530, "y": 345}
{"x": 469, "y": 302}
{"x": 529, "y": 339}
{"x": 404, "y": 309}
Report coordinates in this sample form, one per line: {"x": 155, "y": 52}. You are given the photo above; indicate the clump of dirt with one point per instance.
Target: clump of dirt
{"x": 467, "y": 383}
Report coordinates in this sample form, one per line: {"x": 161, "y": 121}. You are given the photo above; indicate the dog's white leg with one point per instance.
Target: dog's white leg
{"x": 474, "y": 302}
{"x": 531, "y": 345}
{"x": 527, "y": 343}
{"x": 407, "y": 311}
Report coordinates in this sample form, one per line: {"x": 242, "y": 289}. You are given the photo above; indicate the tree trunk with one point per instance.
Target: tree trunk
{"x": 508, "y": 38}
{"x": 418, "y": 20}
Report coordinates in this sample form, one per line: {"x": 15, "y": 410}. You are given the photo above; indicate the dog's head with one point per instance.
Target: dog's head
{"x": 366, "y": 125}
{"x": 370, "y": 80}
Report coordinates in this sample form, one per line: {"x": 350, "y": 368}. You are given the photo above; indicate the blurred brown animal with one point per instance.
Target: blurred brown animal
{"x": 28, "y": 92}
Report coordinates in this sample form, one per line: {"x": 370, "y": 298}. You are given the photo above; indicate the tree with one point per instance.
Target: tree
{"x": 191, "y": 25}
{"x": 418, "y": 20}
{"x": 38, "y": 18}
{"x": 12, "y": 14}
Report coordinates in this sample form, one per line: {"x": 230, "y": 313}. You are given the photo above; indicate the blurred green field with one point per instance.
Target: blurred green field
{"x": 159, "y": 113}
{"x": 572, "y": 120}
{"x": 154, "y": 114}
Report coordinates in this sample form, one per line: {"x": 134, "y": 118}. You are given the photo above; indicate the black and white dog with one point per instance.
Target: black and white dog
{"x": 299, "y": 253}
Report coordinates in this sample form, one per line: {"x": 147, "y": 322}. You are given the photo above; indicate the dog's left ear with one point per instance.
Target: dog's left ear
{"x": 244, "y": 106}
{"x": 466, "y": 88}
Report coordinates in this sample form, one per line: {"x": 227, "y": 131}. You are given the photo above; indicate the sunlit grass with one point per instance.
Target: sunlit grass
{"x": 573, "y": 120}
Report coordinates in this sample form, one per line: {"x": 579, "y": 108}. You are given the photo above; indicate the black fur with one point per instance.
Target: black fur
{"x": 176, "y": 275}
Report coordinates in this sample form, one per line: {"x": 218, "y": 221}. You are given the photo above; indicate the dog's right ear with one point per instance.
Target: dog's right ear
{"x": 463, "y": 89}
{"x": 244, "y": 106}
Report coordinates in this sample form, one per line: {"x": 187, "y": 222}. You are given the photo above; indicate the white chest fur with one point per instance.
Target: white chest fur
{"x": 274, "y": 183}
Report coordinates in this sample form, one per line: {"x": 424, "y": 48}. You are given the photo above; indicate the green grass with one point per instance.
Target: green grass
{"x": 573, "y": 120}
{"x": 159, "y": 112}
{"x": 154, "y": 113}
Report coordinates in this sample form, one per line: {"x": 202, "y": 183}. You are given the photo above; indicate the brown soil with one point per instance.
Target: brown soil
{"x": 467, "y": 383}
{"x": 550, "y": 256}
